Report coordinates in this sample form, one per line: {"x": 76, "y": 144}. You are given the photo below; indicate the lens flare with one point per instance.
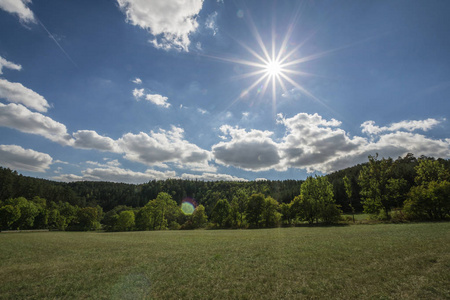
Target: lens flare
{"x": 275, "y": 66}
{"x": 188, "y": 206}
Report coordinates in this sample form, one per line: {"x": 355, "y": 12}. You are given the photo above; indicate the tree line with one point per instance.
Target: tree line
{"x": 405, "y": 189}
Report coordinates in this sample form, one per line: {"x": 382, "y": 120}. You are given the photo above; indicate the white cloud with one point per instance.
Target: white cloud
{"x": 18, "y": 158}
{"x": 17, "y": 93}
{"x": 211, "y": 22}
{"x": 115, "y": 174}
{"x": 7, "y": 64}
{"x": 158, "y": 100}
{"x": 162, "y": 147}
{"x": 253, "y": 150}
{"x": 137, "y": 80}
{"x": 212, "y": 177}
{"x": 112, "y": 163}
{"x": 138, "y": 93}
{"x": 68, "y": 178}
{"x": 19, "y": 8}
{"x": 169, "y": 21}
{"x": 311, "y": 141}
{"x": 19, "y": 117}
{"x": 316, "y": 144}
{"x": 89, "y": 139}
{"x": 369, "y": 127}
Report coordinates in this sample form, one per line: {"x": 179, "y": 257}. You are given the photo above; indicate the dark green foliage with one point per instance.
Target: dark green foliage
{"x": 430, "y": 200}
{"x": 87, "y": 219}
{"x": 198, "y": 219}
{"x": 254, "y": 211}
{"x": 125, "y": 221}
{"x": 378, "y": 186}
{"x": 270, "y": 216}
{"x": 379, "y": 189}
{"x": 317, "y": 201}
{"x": 221, "y": 214}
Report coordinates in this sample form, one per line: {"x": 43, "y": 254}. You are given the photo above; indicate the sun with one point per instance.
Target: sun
{"x": 273, "y": 68}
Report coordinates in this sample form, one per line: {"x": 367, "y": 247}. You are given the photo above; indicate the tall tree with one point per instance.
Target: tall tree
{"x": 380, "y": 191}
{"x": 255, "y": 209}
{"x": 221, "y": 213}
{"x": 348, "y": 191}
{"x": 317, "y": 201}
{"x": 125, "y": 221}
{"x": 430, "y": 200}
{"x": 270, "y": 216}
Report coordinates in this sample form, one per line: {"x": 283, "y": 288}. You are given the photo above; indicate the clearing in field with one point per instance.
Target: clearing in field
{"x": 389, "y": 261}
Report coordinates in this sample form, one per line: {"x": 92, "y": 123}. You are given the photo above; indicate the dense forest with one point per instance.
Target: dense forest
{"x": 408, "y": 187}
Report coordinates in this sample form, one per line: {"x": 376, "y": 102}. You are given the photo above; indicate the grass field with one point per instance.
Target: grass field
{"x": 385, "y": 261}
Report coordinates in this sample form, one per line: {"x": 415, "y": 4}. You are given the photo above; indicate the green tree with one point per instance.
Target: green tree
{"x": 255, "y": 209}
{"x": 125, "y": 221}
{"x": 144, "y": 218}
{"x": 9, "y": 214}
{"x": 199, "y": 218}
{"x": 317, "y": 201}
{"x": 238, "y": 207}
{"x": 429, "y": 170}
{"x": 430, "y": 200}
{"x": 379, "y": 190}
{"x": 286, "y": 217}
{"x": 221, "y": 213}
{"x": 348, "y": 192}
{"x": 87, "y": 218}
{"x": 28, "y": 212}
{"x": 270, "y": 216}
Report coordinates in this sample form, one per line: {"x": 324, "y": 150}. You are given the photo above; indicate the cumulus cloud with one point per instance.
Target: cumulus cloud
{"x": 153, "y": 98}
{"x": 18, "y": 158}
{"x": 369, "y": 127}
{"x": 253, "y": 150}
{"x": 19, "y": 117}
{"x": 7, "y": 64}
{"x": 115, "y": 174}
{"x": 316, "y": 144}
{"x": 158, "y": 100}
{"x": 19, "y": 8}
{"x": 137, "y": 80}
{"x": 138, "y": 93}
{"x": 311, "y": 140}
{"x": 89, "y": 139}
{"x": 17, "y": 93}
{"x": 212, "y": 177}
{"x": 169, "y": 21}
{"x": 162, "y": 147}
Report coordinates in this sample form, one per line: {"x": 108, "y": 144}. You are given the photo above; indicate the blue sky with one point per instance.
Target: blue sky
{"x": 134, "y": 90}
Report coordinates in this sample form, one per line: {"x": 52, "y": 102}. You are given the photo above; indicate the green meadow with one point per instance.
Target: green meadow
{"x": 384, "y": 261}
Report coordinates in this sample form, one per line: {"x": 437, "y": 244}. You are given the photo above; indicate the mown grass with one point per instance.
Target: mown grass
{"x": 385, "y": 261}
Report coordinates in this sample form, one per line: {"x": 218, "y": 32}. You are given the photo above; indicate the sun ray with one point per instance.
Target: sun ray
{"x": 276, "y": 66}
{"x": 250, "y": 74}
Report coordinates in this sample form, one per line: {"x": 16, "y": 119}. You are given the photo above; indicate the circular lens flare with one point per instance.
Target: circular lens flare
{"x": 188, "y": 206}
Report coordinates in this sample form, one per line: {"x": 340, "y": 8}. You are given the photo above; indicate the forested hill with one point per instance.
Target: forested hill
{"x": 109, "y": 195}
